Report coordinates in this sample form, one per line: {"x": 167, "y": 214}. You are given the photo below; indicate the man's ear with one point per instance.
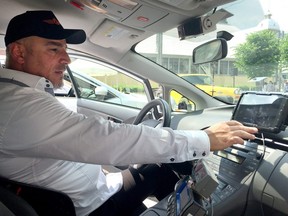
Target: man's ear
{"x": 17, "y": 52}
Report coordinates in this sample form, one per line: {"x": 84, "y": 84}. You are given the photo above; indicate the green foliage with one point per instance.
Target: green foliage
{"x": 284, "y": 51}
{"x": 129, "y": 88}
{"x": 259, "y": 56}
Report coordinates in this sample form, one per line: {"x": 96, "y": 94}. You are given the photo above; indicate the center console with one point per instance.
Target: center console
{"x": 236, "y": 166}
{"x": 232, "y": 167}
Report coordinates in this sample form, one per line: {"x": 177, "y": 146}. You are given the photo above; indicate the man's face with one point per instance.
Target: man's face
{"x": 46, "y": 58}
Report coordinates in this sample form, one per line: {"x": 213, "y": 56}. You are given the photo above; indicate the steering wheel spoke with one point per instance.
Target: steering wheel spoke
{"x": 153, "y": 109}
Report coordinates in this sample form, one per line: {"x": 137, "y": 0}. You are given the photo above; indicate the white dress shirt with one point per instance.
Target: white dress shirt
{"x": 44, "y": 143}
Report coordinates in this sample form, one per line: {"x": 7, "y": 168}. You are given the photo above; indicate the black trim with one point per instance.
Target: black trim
{"x": 6, "y": 80}
{"x": 13, "y": 82}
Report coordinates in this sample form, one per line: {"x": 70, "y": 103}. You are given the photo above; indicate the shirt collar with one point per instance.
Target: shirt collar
{"x": 33, "y": 81}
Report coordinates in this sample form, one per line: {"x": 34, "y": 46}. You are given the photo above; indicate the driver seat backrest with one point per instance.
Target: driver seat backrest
{"x": 13, "y": 205}
{"x": 46, "y": 202}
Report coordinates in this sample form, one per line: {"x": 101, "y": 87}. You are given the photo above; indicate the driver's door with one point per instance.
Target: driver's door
{"x": 98, "y": 88}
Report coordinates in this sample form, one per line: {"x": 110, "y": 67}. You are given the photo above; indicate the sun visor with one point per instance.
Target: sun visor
{"x": 111, "y": 34}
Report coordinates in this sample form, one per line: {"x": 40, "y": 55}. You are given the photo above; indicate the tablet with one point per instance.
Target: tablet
{"x": 266, "y": 111}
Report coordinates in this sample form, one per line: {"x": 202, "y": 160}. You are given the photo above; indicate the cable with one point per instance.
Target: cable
{"x": 211, "y": 204}
{"x": 261, "y": 200}
{"x": 264, "y": 148}
{"x": 255, "y": 171}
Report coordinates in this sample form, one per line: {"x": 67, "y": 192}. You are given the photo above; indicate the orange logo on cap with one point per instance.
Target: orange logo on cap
{"x": 52, "y": 21}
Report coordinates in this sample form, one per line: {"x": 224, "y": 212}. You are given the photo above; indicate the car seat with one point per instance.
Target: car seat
{"x": 13, "y": 205}
{"x": 45, "y": 202}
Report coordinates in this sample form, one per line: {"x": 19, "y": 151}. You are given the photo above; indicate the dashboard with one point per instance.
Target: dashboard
{"x": 252, "y": 178}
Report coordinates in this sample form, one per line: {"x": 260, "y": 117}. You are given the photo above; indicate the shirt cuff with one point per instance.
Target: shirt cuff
{"x": 198, "y": 144}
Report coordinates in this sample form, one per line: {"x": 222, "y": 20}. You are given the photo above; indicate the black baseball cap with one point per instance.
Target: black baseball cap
{"x": 43, "y": 24}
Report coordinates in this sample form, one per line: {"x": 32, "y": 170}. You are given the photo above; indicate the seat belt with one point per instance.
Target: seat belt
{"x": 15, "y": 82}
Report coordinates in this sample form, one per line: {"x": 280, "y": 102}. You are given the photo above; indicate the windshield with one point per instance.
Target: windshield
{"x": 257, "y": 53}
{"x": 197, "y": 79}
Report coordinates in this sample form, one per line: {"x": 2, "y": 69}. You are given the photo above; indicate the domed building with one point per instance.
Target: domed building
{"x": 269, "y": 23}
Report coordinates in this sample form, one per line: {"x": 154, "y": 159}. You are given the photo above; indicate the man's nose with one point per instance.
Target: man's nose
{"x": 65, "y": 59}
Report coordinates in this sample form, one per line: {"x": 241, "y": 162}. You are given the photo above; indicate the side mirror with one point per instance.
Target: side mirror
{"x": 211, "y": 51}
{"x": 101, "y": 91}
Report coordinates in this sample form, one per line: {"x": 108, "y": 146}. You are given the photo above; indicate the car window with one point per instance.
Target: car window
{"x": 2, "y": 56}
{"x": 256, "y": 59}
{"x": 95, "y": 80}
{"x": 181, "y": 103}
{"x": 201, "y": 79}
{"x": 213, "y": 78}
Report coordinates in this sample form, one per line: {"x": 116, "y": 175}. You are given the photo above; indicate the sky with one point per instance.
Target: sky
{"x": 278, "y": 9}
{"x": 255, "y": 10}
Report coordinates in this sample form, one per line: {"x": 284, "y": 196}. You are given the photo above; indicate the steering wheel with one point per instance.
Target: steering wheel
{"x": 162, "y": 119}
{"x": 151, "y": 116}
{"x": 156, "y": 113}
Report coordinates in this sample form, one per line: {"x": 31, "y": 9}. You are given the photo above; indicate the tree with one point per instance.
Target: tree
{"x": 259, "y": 56}
{"x": 284, "y": 51}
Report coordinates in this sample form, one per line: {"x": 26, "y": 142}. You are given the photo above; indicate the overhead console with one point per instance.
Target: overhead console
{"x": 130, "y": 21}
{"x": 128, "y": 12}
{"x": 125, "y": 21}
{"x": 142, "y": 14}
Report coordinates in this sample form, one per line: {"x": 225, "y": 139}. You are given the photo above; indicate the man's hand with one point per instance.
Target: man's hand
{"x": 225, "y": 134}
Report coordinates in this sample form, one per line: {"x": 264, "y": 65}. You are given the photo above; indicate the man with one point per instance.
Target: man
{"x": 43, "y": 143}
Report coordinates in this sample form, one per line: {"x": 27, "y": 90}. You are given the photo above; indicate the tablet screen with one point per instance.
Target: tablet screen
{"x": 267, "y": 112}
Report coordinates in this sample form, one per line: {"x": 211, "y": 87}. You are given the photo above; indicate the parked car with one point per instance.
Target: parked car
{"x": 136, "y": 51}
{"x": 204, "y": 82}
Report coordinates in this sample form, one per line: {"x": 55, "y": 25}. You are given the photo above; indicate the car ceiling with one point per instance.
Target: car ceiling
{"x": 112, "y": 34}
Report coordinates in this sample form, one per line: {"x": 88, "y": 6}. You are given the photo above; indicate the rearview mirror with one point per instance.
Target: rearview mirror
{"x": 211, "y": 51}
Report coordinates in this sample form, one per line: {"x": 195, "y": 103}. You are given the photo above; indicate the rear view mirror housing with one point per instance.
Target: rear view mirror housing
{"x": 210, "y": 51}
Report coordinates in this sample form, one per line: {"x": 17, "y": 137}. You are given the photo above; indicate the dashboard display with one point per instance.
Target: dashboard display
{"x": 229, "y": 156}
{"x": 267, "y": 112}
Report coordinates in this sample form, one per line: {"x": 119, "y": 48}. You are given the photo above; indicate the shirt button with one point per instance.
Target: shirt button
{"x": 194, "y": 154}
{"x": 203, "y": 154}
{"x": 172, "y": 159}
